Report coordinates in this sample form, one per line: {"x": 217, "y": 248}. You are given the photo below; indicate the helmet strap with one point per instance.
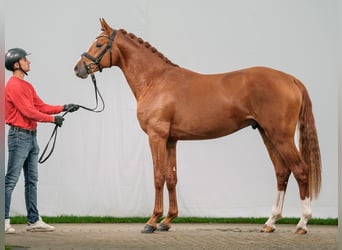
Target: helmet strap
{"x": 21, "y": 69}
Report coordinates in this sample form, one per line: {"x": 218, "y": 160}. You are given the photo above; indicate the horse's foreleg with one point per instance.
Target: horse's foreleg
{"x": 151, "y": 224}
{"x": 158, "y": 149}
{"x": 171, "y": 182}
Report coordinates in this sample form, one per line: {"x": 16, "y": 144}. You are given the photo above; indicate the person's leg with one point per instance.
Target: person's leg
{"x": 18, "y": 148}
{"x": 35, "y": 222}
{"x": 31, "y": 178}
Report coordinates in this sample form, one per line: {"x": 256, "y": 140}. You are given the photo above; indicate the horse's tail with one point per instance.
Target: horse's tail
{"x": 308, "y": 144}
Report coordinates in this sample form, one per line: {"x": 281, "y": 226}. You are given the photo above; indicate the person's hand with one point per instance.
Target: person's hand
{"x": 71, "y": 107}
{"x": 58, "y": 120}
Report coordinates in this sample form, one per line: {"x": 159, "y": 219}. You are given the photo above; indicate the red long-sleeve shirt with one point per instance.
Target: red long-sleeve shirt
{"x": 24, "y": 108}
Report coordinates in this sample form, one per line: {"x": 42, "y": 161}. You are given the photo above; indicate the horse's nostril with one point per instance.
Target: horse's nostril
{"x": 76, "y": 69}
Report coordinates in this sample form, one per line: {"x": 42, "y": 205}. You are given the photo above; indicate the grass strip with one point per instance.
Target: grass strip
{"x": 109, "y": 219}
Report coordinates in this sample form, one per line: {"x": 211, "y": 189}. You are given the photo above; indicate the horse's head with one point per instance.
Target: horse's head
{"x": 100, "y": 54}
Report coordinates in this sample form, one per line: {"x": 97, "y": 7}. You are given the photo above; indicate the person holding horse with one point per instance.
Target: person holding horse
{"x": 23, "y": 109}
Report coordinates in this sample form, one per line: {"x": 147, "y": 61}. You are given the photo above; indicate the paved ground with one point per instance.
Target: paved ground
{"x": 180, "y": 236}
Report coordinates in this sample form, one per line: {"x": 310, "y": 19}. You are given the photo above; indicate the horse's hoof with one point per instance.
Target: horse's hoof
{"x": 148, "y": 229}
{"x": 267, "y": 229}
{"x": 300, "y": 230}
{"x": 163, "y": 227}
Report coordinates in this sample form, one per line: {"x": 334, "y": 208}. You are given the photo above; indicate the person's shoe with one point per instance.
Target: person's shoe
{"x": 39, "y": 226}
{"x": 8, "y": 228}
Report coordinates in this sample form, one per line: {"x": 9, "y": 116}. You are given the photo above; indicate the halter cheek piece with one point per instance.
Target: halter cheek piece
{"x": 97, "y": 60}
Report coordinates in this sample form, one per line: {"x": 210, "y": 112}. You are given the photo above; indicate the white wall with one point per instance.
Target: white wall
{"x": 102, "y": 163}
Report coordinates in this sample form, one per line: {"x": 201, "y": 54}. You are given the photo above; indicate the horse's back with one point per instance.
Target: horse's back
{"x": 255, "y": 87}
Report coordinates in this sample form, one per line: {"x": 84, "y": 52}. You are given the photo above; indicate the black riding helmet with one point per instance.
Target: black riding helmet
{"x": 12, "y": 56}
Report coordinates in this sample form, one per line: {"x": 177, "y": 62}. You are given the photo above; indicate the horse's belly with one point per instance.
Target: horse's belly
{"x": 206, "y": 129}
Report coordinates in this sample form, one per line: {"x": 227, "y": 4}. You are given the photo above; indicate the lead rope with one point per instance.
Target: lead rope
{"x": 54, "y": 132}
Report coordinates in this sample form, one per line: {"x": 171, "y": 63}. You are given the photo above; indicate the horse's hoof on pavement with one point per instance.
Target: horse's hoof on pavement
{"x": 267, "y": 229}
{"x": 148, "y": 229}
{"x": 163, "y": 227}
{"x": 300, "y": 230}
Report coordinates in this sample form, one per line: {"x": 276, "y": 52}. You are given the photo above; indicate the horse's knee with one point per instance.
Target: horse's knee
{"x": 171, "y": 180}
{"x": 171, "y": 183}
{"x": 159, "y": 182}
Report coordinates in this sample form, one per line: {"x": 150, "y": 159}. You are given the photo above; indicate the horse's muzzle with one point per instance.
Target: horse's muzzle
{"x": 80, "y": 70}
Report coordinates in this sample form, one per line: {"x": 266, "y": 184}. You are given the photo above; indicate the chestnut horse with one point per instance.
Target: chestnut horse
{"x": 170, "y": 107}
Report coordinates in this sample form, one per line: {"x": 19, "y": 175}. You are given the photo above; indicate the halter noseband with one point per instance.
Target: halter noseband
{"x": 97, "y": 60}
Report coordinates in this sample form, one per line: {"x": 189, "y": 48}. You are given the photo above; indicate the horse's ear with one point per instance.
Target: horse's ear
{"x": 104, "y": 25}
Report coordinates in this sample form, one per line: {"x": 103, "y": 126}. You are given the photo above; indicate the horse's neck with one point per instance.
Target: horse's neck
{"x": 140, "y": 66}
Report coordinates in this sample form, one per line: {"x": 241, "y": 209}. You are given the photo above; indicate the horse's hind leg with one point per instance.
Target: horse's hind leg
{"x": 282, "y": 174}
{"x": 292, "y": 158}
{"x": 301, "y": 173}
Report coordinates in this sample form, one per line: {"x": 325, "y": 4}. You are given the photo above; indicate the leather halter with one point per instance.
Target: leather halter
{"x": 97, "y": 60}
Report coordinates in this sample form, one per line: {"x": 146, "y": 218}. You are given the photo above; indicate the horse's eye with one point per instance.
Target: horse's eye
{"x": 98, "y": 45}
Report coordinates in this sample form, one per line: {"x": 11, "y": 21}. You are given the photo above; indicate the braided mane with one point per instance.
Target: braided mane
{"x": 148, "y": 46}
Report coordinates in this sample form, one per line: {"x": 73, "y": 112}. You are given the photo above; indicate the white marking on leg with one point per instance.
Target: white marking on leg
{"x": 277, "y": 209}
{"x": 306, "y": 214}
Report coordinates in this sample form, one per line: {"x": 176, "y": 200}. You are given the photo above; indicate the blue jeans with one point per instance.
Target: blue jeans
{"x": 23, "y": 152}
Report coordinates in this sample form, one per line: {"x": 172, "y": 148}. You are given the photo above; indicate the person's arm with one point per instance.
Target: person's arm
{"x": 41, "y": 106}
{"x": 23, "y": 98}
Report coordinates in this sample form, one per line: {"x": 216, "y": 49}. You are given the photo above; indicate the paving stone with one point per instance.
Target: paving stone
{"x": 180, "y": 236}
